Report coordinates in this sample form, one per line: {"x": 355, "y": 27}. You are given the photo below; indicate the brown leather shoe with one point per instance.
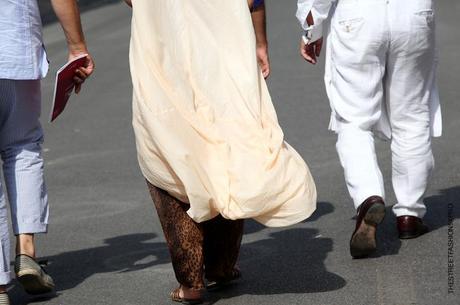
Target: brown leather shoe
{"x": 410, "y": 227}
{"x": 370, "y": 213}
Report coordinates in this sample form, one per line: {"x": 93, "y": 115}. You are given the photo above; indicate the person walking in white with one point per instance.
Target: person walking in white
{"x": 380, "y": 78}
{"x": 23, "y": 63}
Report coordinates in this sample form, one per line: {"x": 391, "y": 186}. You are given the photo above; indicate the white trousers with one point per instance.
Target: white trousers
{"x": 382, "y": 57}
{"x": 20, "y": 149}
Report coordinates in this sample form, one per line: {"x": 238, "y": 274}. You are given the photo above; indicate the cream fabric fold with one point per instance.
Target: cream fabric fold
{"x": 206, "y": 129}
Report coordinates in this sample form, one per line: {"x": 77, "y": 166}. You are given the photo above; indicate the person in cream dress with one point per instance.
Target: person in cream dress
{"x": 208, "y": 139}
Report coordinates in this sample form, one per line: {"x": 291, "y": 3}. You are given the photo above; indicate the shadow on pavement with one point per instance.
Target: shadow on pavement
{"x": 388, "y": 242}
{"x": 438, "y": 208}
{"x": 119, "y": 254}
{"x": 290, "y": 261}
{"x": 322, "y": 208}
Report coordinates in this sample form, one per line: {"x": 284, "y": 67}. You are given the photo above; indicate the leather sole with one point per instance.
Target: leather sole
{"x": 33, "y": 282}
{"x": 363, "y": 242}
{"x": 412, "y": 234}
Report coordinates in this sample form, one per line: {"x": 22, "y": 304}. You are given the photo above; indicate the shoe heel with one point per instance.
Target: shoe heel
{"x": 375, "y": 214}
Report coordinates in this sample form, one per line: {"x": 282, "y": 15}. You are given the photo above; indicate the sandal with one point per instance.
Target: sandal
{"x": 219, "y": 282}
{"x": 175, "y": 296}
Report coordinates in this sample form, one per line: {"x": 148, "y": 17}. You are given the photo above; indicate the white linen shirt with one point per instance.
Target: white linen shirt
{"x": 22, "y": 53}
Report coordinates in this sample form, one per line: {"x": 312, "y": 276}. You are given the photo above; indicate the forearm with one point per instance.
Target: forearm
{"x": 260, "y": 25}
{"x": 69, "y": 16}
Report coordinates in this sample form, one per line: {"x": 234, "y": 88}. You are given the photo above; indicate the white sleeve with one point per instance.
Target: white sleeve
{"x": 303, "y": 8}
{"x": 319, "y": 10}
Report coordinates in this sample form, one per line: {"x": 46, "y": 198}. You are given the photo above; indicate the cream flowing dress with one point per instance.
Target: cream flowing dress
{"x": 206, "y": 129}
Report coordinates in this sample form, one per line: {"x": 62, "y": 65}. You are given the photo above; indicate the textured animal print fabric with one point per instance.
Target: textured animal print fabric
{"x": 194, "y": 247}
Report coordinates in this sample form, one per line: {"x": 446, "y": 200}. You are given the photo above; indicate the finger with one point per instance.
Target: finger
{"x": 89, "y": 63}
{"x": 263, "y": 66}
{"x": 311, "y": 53}
{"x": 308, "y": 53}
{"x": 266, "y": 72}
{"x": 77, "y": 88}
{"x": 77, "y": 80}
{"x": 319, "y": 46}
{"x": 304, "y": 54}
{"x": 302, "y": 49}
{"x": 80, "y": 74}
{"x": 308, "y": 58}
{"x": 267, "y": 69}
{"x": 88, "y": 70}
{"x": 264, "y": 63}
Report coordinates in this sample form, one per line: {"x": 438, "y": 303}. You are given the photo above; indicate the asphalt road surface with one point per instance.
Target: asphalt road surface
{"x": 105, "y": 245}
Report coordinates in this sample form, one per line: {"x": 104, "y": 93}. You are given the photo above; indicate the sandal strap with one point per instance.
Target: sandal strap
{"x": 175, "y": 296}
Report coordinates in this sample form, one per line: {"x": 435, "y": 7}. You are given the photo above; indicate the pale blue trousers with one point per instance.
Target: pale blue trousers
{"x": 21, "y": 137}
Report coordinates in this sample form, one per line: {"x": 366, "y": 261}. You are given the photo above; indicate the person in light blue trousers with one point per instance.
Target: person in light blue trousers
{"x": 23, "y": 63}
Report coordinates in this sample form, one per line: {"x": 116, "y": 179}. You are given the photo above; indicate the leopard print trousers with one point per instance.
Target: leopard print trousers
{"x": 209, "y": 249}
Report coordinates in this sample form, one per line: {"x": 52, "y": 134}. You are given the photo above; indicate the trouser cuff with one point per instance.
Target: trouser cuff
{"x": 406, "y": 212}
{"x": 5, "y": 278}
{"x": 30, "y": 228}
